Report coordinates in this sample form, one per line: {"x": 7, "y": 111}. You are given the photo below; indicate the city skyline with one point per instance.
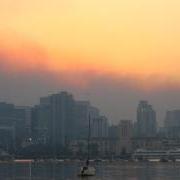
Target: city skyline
{"x": 123, "y": 112}
{"x": 89, "y": 88}
{"x": 60, "y": 124}
{"x": 116, "y": 51}
{"x": 88, "y": 101}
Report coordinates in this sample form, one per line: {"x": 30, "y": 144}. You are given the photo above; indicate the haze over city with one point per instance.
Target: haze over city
{"x": 90, "y": 88}
{"x": 113, "y": 53}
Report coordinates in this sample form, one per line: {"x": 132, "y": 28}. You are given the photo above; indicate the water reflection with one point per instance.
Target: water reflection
{"x": 105, "y": 171}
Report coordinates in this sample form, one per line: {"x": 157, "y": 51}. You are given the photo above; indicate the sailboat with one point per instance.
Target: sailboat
{"x": 87, "y": 170}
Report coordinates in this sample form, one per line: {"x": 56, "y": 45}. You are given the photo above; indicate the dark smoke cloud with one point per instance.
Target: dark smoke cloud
{"x": 116, "y": 97}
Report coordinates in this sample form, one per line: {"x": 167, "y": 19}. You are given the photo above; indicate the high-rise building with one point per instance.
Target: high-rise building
{"x": 172, "y": 124}
{"x": 146, "y": 120}
{"x": 7, "y": 126}
{"x": 99, "y": 127}
{"x": 23, "y": 115}
{"x": 120, "y": 138}
{"x": 125, "y": 131}
{"x": 113, "y": 131}
{"x": 14, "y": 125}
{"x": 41, "y": 118}
{"x": 84, "y": 111}
{"x": 61, "y": 125}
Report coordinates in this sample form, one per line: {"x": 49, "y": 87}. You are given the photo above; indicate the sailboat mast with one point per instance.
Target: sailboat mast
{"x": 89, "y": 134}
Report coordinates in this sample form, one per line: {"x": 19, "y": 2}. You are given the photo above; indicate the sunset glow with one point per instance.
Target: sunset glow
{"x": 136, "y": 39}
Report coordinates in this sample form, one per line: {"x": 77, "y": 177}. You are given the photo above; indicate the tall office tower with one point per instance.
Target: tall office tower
{"x": 7, "y": 126}
{"x": 84, "y": 111}
{"x": 146, "y": 120}
{"x": 41, "y": 118}
{"x": 172, "y": 124}
{"x": 99, "y": 127}
{"x": 23, "y": 114}
{"x": 125, "y": 131}
{"x": 14, "y": 125}
{"x": 62, "y": 122}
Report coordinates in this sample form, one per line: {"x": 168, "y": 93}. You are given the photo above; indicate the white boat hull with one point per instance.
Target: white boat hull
{"x": 87, "y": 171}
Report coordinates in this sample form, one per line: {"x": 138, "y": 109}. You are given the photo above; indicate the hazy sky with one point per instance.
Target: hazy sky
{"x": 114, "y": 52}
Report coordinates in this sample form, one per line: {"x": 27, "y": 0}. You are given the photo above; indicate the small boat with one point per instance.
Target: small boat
{"x": 87, "y": 170}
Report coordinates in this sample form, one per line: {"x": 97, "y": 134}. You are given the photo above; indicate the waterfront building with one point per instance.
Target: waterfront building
{"x": 8, "y": 134}
{"x": 14, "y": 125}
{"x": 150, "y": 143}
{"x": 125, "y": 129}
{"x": 41, "y": 119}
{"x": 99, "y": 127}
{"x": 172, "y": 124}
{"x": 99, "y": 147}
{"x": 146, "y": 120}
{"x": 113, "y": 131}
{"x": 83, "y": 111}
{"x": 61, "y": 125}
{"x": 120, "y": 138}
{"x": 23, "y": 115}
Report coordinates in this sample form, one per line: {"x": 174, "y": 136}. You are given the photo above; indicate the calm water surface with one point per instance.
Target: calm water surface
{"x": 105, "y": 171}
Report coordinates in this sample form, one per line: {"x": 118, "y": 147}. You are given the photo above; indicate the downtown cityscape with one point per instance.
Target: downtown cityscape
{"x": 89, "y": 88}
{"x": 57, "y": 127}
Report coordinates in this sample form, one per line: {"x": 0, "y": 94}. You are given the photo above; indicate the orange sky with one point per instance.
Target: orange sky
{"x": 122, "y": 37}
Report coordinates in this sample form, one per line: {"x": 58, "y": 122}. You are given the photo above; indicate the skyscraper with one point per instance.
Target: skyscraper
{"x": 61, "y": 124}
{"x": 99, "y": 127}
{"x": 146, "y": 120}
{"x": 7, "y": 126}
{"x": 172, "y": 124}
{"x": 83, "y": 111}
{"x": 41, "y": 123}
{"x": 14, "y": 125}
{"x": 125, "y": 129}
